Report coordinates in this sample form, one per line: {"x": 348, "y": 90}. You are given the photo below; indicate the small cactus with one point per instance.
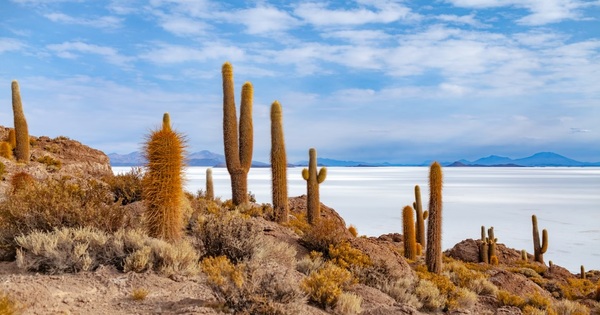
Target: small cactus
{"x": 278, "y": 165}
{"x": 210, "y": 190}
{"x": 539, "y": 249}
{"x": 21, "y": 130}
{"x": 524, "y": 256}
{"x": 163, "y": 183}
{"x": 492, "y": 246}
{"x": 6, "y": 150}
{"x": 421, "y": 217}
{"x": 238, "y": 151}
{"x": 313, "y": 179}
{"x": 433, "y": 252}
{"x": 582, "y": 274}
{"x": 483, "y": 247}
{"x": 12, "y": 138}
{"x": 408, "y": 233}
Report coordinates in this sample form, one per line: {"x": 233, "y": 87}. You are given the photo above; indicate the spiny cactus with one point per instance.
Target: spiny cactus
{"x": 278, "y": 165}
{"x": 524, "y": 256}
{"x": 12, "y": 138}
{"x": 582, "y": 273}
{"x": 483, "y": 247}
{"x": 21, "y": 130}
{"x": 421, "y": 217}
{"x": 433, "y": 252}
{"x": 238, "y": 152}
{"x": 492, "y": 246}
{"x": 163, "y": 184}
{"x": 210, "y": 191}
{"x": 6, "y": 150}
{"x": 313, "y": 179}
{"x": 539, "y": 249}
{"x": 408, "y": 233}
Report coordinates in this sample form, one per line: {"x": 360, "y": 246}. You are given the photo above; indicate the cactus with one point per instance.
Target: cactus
{"x": 408, "y": 232}
{"x": 492, "y": 246}
{"x": 483, "y": 247}
{"x": 6, "y": 150}
{"x": 433, "y": 252}
{"x": 421, "y": 217}
{"x": 238, "y": 152}
{"x": 210, "y": 191}
{"x": 278, "y": 165}
{"x": 582, "y": 274}
{"x": 313, "y": 179}
{"x": 163, "y": 184}
{"x": 539, "y": 249}
{"x": 12, "y": 138}
{"x": 21, "y": 131}
{"x": 524, "y": 255}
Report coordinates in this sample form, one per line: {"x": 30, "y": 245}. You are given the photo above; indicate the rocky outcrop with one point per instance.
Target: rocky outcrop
{"x": 468, "y": 251}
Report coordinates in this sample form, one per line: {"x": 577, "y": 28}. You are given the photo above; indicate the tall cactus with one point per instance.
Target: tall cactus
{"x": 433, "y": 254}
{"x": 163, "y": 184}
{"x": 21, "y": 130}
{"x": 483, "y": 247}
{"x": 408, "y": 233}
{"x": 278, "y": 165}
{"x": 313, "y": 179}
{"x": 493, "y": 258}
{"x": 539, "y": 249}
{"x": 210, "y": 190}
{"x": 238, "y": 152}
{"x": 421, "y": 217}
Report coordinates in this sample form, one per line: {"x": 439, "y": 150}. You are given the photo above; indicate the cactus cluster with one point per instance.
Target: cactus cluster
{"x": 313, "y": 179}
{"x": 487, "y": 248}
{"x": 163, "y": 183}
{"x": 433, "y": 254}
{"x": 539, "y": 249}
{"x": 278, "y": 165}
{"x": 238, "y": 151}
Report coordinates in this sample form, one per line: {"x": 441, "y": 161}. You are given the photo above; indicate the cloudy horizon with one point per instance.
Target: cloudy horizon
{"x": 366, "y": 80}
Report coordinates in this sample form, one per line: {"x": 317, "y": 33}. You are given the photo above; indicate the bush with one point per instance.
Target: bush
{"x": 324, "y": 233}
{"x": 84, "y": 249}
{"x": 51, "y": 163}
{"x": 508, "y": 299}
{"x": 430, "y": 296}
{"x": 348, "y": 304}
{"x": 309, "y": 263}
{"x": 139, "y": 294}
{"x": 126, "y": 187}
{"x": 566, "y": 307}
{"x": 345, "y": 256}
{"x": 352, "y": 229}
{"x": 325, "y": 285}
{"x": 21, "y": 180}
{"x": 576, "y": 288}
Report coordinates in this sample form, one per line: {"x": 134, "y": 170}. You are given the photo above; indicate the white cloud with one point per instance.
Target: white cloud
{"x": 359, "y": 36}
{"x": 10, "y": 44}
{"x": 72, "y": 50}
{"x": 170, "y": 54}
{"x": 377, "y": 12}
{"x": 183, "y": 26}
{"x": 263, "y": 19}
{"x": 461, "y": 19}
{"x": 109, "y": 22}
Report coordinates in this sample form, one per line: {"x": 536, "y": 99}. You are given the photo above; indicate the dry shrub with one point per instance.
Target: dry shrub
{"x": 483, "y": 286}
{"x": 462, "y": 298}
{"x": 223, "y": 274}
{"x": 530, "y": 310}
{"x": 298, "y": 222}
{"x": 506, "y": 298}
{"x": 8, "y": 306}
{"x": 535, "y": 266}
{"x": 352, "y": 229}
{"x": 309, "y": 263}
{"x": 324, "y": 233}
{"x": 84, "y": 249}
{"x": 403, "y": 291}
{"x": 429, "y": 295}
{"x": 21, "y": 180}
{"x": 345, "y": 256}
{"x": 348, "y": 304}
{"x": 228, "y": 234}
{"x": 51, "y": 163}
{"x": 139, "y": 294}
{"x": 577, "y": 288}
{"x": 57, "y": 203}
{"x": 566, "y": 307}
{"x": 325, "y": 285}
{"x": 126, "y": 187}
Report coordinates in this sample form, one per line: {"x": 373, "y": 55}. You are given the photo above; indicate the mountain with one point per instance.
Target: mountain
{"x": 131, "y": 159}
{"x": 200, "y": 158}
{"x": 493, "y": 160}
{"x": 538, "y": 159}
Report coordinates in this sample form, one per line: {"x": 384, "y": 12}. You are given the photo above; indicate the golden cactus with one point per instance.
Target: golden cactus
{"x": 6, "y": 150}
{"x": 433, "y": 253}
{"x": 163, "y": 183}
{"x": 278, "y": 165}
{"x": 408, "y": 233}
{"x": 21, "y": 130}
{"x": 313, "y": 179}
{"x": 210, "y": 190}
{"x": 238, "y": 152}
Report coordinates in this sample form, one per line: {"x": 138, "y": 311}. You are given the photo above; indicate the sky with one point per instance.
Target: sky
{"x": 364, "y": 80}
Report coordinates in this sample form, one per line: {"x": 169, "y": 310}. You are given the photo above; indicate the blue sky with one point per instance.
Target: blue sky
{"x": 366, "y": 80}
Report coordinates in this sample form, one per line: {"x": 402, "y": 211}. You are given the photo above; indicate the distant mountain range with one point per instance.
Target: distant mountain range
{"x": 207, "y": 158}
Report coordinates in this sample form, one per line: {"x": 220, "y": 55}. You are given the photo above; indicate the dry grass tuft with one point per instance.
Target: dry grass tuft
{"x": 508, "y": 299}
{"x": 577, "y": 288}
{"x": 127, "y": 187}
{"x": 345, "y": 256}
{"x": 8, "y": 306}
{"x": 352, "y": 229}
{"x": 326, "y": 232}
{"x": 325, "y": 285}
{"x": 430, "y": 296}
{"x": 348, "y": 304}
{"x": 139, "y": 294}
{"x": 566, "y": 307}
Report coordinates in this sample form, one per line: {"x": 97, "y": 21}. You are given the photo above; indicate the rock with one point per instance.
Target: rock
{"x": 468, "y": 251}
{"x": 516, "y": 283}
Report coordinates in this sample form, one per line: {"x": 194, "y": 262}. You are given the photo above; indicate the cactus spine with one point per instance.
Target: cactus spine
{"x": 539, "y": 249}
{"x": 21, "y": 130}
{"x": 408, "y": 233}
{"x": 433, "y": 252}
{"x": 313, "y": 179}
{"x": 238, "y": 152}
{"x": 278, "y": 165}
{"x": 421, "y": 217}
{"x": 163, "y": 183}
{"x": 210, "y": 191}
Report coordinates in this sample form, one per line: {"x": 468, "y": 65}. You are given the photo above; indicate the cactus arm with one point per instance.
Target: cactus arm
{"x": 305, "y": 173}
{"x": 322, "y": 175}
{"x": 166, "y": 122}
{"x": 544, "y": 241}
{"x": 246, "y": 127}
{"x": 425, "y": 215}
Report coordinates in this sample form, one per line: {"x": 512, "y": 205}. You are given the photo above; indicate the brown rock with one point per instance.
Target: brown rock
{"x": 468, "y": 251}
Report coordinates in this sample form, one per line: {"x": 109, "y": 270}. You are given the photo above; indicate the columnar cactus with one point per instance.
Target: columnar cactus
{"x": 278, "y": 165}
{"x": 163, "y": 184}
{"x": 238, "y": 152}
{"x": 408, "y": 233}
{"x": 210, "y": 191}
{"x": 524, "y": 255}
{"x": 421, "y": 217}
{"x": 12, "y": 138}
{"x": 483, "y": 247}
{"x": 539, "y": 249}
{"x": 582, "y": 273}
{"x": 6, "y": 150}
{"x": 433, "y": 254}
{"x": 21, "y": 130}
{"x": 493, "y": 258}
{"x": 313, "y": 179}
